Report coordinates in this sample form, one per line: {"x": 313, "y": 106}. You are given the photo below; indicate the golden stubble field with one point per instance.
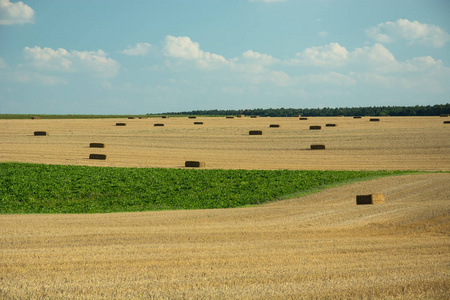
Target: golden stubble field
{"x": 393, "y": 143}
{"x": 320, "y": 246}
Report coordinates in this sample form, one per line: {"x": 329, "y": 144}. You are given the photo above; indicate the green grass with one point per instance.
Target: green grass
{"x": 36, "y": 188}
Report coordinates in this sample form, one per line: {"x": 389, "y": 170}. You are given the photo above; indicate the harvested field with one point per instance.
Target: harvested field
{"x": 318, "y": 246}
{"x": 396, "y": 143}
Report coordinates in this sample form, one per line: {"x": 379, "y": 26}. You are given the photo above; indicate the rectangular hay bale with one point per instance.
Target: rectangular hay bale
{"x": 315, "y": 127}
{"x": 374, "y": 120}
{"x": 255, "y": 132}
{"x": 40, "y": 133}
{"x": 370, "y": 199}
{"x": 331, "y": 125}
{"x": 159, "y": 124}
{"x": 194, "y": 164}
{"x": 274, "y": 125}
{"x": 97, "y": 145}
{"x": 97, "y": 156}
{"x": 121, "y": 124}
{"x": 317, "y": 147}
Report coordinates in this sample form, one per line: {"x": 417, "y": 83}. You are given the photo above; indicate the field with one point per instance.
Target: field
{"x": 393, "y": 143}
{"x": 319, "y": 246}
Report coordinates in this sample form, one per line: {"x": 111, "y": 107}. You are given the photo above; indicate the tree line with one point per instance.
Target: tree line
{"x": 418, "y": 110}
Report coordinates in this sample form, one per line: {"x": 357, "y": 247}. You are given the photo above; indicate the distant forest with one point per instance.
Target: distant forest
{"x": 418, "y": 110}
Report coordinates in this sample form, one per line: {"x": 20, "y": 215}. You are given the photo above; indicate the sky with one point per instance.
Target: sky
{"x": 156, "y": 56}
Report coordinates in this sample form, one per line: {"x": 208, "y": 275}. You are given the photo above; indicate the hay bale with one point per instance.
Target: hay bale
{"x": 303, "y": 118}
{"x": 357, "y": 117}
{"x": 192, "y": 117}
{"x": 370, "y": 199}
{"x": 330, "y": 125}
{"x": 164, "y": 117}
{"x": 194, "y": 164}
{"x": 255, "y": 132}
{"x": 253, "y": 117}
{"x": 35, "y": 118}
{"x": 317, "y": 147}
{"x": 159, "y": 125}
{"x": 446, "y": 122}
{"x": 315, "y": 127}
{"x": 142, "y": 118}
{"x": 40, "y": 133}
{"x": 274, "y": 125}
{"x": 97, "y": 145}
{"x": 97, "y": 156}
{"x": 198, "y": 123}
{"x": 443, "y": 115}
{"x": 239, "y": 116}
{"x": 131, "y": 118}
{"x": 121, "y": 124}
{"x": 374, "y": 120}
{"x": 229, "y": 117}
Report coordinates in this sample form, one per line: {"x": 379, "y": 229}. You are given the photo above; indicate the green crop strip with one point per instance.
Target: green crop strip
{"x": 35, "y": 188}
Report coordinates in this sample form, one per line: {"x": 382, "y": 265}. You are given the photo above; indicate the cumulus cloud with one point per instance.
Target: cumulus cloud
{"x": 413, "y": 32}
{"x": 376, "y": 57}
{"x": 331, "y": 55}
{"x": 15, "y": 13}
{"x": 259, "y": 58}
{"x": 184, "y": 48}
{"x": 140, "y": 49}
{"x": 94, "y": 62}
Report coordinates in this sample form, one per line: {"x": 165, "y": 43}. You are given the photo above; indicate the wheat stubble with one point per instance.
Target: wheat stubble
{"x": 396, "y": 143}
{"x": 318, "y": 246}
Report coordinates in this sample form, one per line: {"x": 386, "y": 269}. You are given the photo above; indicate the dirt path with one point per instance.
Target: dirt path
{"x": 317, "y": 246}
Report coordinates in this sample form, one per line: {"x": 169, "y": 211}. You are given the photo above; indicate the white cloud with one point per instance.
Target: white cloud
{"x": 331, "y": 55}
{"x": 377, "y": 58}
{"x": 259, "y": 58}
{"x": 184, "y": 48}
{"x": 140, "y": 49}
{"x": 61, "y": 60}
{"x": 414, "y": 32}
{"x": 15, "y": 13}
{"x": 323, "y": 33}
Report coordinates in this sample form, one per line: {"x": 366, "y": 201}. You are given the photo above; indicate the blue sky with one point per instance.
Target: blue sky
{"x": 136, "y": 57}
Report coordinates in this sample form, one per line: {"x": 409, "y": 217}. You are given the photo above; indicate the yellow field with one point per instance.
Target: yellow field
{"x": 393, "y": 143}
{"x": 319, "y": 246}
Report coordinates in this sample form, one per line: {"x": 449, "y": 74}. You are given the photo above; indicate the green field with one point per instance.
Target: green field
{"x": 36, "y": 188}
